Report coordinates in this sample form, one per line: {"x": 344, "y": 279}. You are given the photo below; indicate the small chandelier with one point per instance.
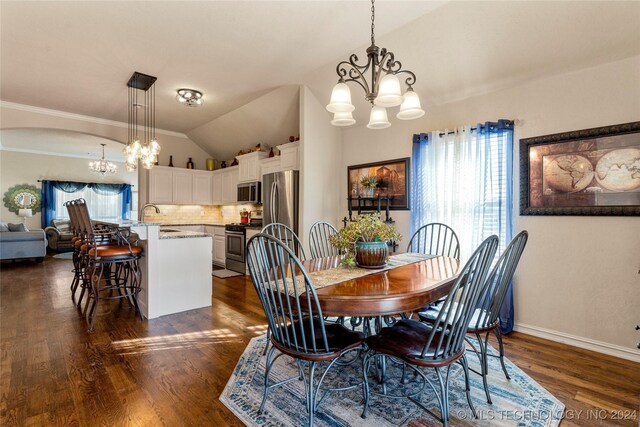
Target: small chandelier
{"x": 190, "y": 97}
{"x": 102, "y": 167}
{"x": 142, "y": 144}
{"x": 382, "y": 92}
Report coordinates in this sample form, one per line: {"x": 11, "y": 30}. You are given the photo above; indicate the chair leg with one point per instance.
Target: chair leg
{"x": 365, "y": 370}
{"x": 266, "y": 347}
{"x": 444, "y": 399}
{"x": 498, "y": 334}
{"x": 311, "y": 394}
{"x": 484, "y": 365}
{"x": 96, "y": 277}
{"x": 465, "y": 366}
{"x": 267, "y": 370}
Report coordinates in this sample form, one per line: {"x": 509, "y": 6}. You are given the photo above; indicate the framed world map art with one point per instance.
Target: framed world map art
{"x": 586, "y": 172}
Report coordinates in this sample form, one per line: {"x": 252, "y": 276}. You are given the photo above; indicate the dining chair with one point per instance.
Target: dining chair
{"x": 435, "y": 239}
{"x": 285, "y": 234}
{"x": 437, "y": 345}
{"x": 485, "y": 317}
{"x": 319, "y": 242}
{"x": 110, "y": 263}
{"x": 295, "y": 318}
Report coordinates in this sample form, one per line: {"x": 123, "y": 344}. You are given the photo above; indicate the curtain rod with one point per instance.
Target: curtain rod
{"x": 39, "y": 180}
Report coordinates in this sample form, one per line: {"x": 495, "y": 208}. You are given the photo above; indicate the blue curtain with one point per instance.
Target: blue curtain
{"x": 464, "y": 178}
{"x": 49, "y": 198}
{"x": 417, "y": 201}
{"x": 503, "y": 131}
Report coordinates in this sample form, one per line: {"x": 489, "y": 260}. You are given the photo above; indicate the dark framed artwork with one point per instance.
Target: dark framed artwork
{"x": 585, "y": 172}
{"x": 368, "y": 183}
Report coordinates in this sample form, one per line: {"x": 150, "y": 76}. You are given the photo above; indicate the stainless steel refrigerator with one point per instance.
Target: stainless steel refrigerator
{"x": 280, "y": 198}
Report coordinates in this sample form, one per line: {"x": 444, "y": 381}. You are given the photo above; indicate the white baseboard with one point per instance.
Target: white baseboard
{"x": 586, "y": 343}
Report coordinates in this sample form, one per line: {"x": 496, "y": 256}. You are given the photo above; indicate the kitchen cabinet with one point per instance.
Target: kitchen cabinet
{"x": 230, "y": 185}
{"x": 161, "y": 185}
{"x": 270, "y": 165}
{"x": 289, "y": 156}
{"x": 249, "y": 166}
{"x": 219, "y": 246}
{"x": 216, "y": 188}
{"x": 182, "y": 186}
{"x": 202, "y": 187}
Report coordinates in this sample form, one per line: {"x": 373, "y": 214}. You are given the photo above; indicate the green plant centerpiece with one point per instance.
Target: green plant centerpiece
{"x": 364, "y": 241}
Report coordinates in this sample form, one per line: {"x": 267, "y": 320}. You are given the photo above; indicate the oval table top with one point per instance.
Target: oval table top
{"x": 402, "y": 289}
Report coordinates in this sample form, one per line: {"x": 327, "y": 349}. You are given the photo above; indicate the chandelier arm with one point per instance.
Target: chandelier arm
{"x": 355, "y": 72}
{"x": 411, "y": 78}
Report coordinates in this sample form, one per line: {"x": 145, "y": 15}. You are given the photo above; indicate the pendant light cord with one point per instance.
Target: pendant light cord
{"x": 373, "y": 25}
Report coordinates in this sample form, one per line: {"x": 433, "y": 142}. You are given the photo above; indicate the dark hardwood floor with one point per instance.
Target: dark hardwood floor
{"x": 171, "y": 371}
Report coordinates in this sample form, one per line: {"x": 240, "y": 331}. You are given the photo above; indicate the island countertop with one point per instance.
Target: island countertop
{"x": 180, "y": 234}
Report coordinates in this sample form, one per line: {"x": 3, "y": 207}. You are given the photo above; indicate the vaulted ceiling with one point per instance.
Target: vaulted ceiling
{"x": 77, "y": 56}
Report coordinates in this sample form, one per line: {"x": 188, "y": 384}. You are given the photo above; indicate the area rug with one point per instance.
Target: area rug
{"x": 223, "y": 274}
{"x": 66, "y": 255}
{"x": 517, "y": 402}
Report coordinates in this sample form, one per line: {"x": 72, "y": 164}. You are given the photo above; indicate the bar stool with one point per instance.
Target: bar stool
{"x": 108, "y": 257}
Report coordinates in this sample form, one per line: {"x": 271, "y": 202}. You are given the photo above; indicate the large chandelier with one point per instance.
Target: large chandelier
{"x": 102, "y": 166}
{"x": 142, "y": 144}
{"x": 383, "y": 91}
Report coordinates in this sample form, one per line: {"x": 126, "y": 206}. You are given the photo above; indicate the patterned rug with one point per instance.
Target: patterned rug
{"x": 517, "y": 402}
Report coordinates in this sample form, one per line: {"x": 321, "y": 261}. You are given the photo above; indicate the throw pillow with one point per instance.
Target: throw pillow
{"x": 3, "y": 227}
{"x": 17, "y": 227}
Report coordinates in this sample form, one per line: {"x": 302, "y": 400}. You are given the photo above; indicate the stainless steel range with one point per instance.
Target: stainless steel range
{"x": 235, "y": 236}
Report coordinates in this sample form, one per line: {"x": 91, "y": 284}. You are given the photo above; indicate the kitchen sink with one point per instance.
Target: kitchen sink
{"x": 170, "y": 230}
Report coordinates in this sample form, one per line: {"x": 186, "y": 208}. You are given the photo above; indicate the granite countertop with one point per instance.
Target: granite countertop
{"x": 181, "y": 234}
{"x": 210, "y": 224}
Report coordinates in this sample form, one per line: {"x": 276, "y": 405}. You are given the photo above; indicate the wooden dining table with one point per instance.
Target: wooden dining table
{"x": 399, "y": 290}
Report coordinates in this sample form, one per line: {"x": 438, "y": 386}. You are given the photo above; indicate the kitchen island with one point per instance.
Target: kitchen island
{"x": 176, "y": 270}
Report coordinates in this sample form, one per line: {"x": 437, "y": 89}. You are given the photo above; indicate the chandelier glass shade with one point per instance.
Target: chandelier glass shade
{"x": 142, "y": 145}
{"x": 382, "y": 90}
{"x": 190, "y": 97}
{"x": 102, "y": 167}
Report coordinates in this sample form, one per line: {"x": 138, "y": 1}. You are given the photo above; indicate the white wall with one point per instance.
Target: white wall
{"x": 27, "y": 168}
{"x": 320, "y": 165}
{"x": 578, "y": 278}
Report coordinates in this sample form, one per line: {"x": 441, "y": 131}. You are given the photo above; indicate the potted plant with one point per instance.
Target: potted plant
{"x": 369, "y": 183}
{"x": 364, "y": 241}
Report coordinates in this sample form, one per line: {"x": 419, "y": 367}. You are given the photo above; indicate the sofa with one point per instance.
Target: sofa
{"x": 22, "y": 244}
{"x": 59, "y": 236}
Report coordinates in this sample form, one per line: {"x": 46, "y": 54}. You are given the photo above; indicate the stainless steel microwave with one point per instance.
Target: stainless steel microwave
{"x": 249, "y": 192}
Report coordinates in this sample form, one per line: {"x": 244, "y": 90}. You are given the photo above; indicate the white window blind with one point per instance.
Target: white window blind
{"x": 101, "y": 207}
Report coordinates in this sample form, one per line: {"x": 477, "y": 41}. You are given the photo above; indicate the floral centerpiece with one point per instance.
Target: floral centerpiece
{"x": 364, "y": 241}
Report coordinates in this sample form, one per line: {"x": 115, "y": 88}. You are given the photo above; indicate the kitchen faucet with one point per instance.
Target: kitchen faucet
{"x": 141, "y": 216}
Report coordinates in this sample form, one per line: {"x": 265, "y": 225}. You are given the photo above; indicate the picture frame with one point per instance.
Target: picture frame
{"x": 392, "y": 180}
{"x": 585, "y": 172}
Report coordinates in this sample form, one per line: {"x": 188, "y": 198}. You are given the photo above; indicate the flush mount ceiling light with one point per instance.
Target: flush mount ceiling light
{"x": 383, "y": 91}
{"x": 102, "y": 167}
{"x": 190, "y": 97}
{"x": 142, "y": 144}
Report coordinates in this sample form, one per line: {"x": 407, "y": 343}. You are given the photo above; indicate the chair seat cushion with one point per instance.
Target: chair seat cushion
{"x": 406, "y": 340}
{"x": 339, "y": 338}
{"x": 112, "y": 251}
{"x": 23, "y": 236}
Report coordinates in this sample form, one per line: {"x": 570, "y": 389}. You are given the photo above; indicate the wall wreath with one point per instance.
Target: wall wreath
{"x": 22, "y": 196}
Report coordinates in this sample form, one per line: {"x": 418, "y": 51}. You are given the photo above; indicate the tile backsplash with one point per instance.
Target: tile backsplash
{"x": 197, "y": 214}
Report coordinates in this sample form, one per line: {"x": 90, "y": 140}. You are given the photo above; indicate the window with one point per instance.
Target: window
{"x": 463, "y": 179}
{"x": 101, "y": 207}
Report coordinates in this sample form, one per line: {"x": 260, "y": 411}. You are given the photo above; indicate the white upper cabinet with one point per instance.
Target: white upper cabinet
{"x": 182, "y": 186}
{"x": 249, "y": 166}
{"x": 230, "y": 179}
{"x": 187, "y": 186}
{"x": 289, "y": 156}
{"x": 161, "y": 185}
{"x": 202, "y": 187}
{"x": 216, "y": 187}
